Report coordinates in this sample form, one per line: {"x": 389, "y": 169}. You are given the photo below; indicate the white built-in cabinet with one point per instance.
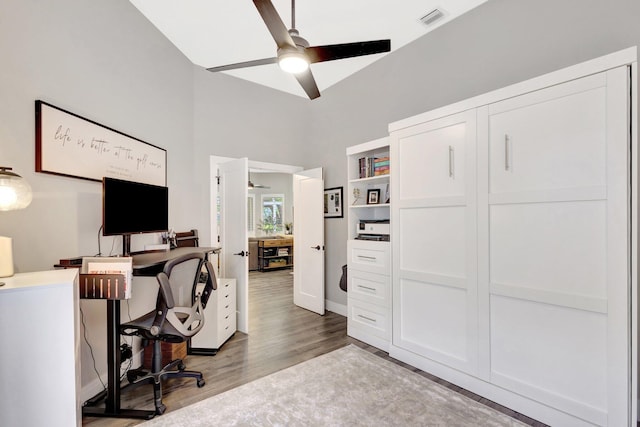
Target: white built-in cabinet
{"x": 513, "y": 273}
{"x": 40, "y": 355}
{"x": 369, "y": 262}
{"x": 369, "y": 292}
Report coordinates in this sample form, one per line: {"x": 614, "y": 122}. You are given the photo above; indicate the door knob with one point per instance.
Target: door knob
{"x": 242, "y": 253}
{"x": 317, "y": 247}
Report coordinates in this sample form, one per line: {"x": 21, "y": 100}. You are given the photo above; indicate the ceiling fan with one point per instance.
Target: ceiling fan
{"x": 251, "y": 185}
{"x": 294, "y": 53}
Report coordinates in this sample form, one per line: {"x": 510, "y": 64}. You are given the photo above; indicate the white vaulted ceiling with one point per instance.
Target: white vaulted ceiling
{"x": 219, "y": 32}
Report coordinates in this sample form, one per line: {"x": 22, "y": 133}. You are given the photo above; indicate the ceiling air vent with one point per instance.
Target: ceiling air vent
{"x": 431, "y": 17}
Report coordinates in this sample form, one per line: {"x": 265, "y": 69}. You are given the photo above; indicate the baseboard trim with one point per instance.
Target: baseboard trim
{"x": 334, "y": 307}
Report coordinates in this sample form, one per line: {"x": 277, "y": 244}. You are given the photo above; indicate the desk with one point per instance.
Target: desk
{"x": 144, "y": 264}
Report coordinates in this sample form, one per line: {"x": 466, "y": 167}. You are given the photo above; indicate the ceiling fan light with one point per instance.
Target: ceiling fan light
{"x": 293, "y": 62}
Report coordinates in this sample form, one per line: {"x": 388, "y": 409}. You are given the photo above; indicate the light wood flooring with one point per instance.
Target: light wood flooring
{"x": 281, "y": 335}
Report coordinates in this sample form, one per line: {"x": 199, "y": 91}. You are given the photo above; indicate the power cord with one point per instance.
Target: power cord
{"x": 99, "y": 250}
{"x": 113, "y": 243}
{"x": 84, "y": 329}
{"x": 130, "y": 344}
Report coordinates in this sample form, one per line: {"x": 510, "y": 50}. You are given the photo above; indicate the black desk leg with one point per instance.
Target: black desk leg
{"x": 112, "y": 403}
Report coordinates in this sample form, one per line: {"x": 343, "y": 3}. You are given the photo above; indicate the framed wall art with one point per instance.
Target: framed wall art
{"x": 70, "y": 145}
{"x": 333, "y": 202}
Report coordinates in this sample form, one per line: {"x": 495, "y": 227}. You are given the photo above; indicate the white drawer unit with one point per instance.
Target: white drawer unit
{"x": 369, "y": 292}
{"x": 367, "y": 320}
{"x": 369, "y": 287}
{"x": 369, "y": 256}
{"x": 220, "y": 319}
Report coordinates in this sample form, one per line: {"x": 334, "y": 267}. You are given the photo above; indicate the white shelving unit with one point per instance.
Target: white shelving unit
{"x": 369, "y": 262}
{"x": 358, "y": 187}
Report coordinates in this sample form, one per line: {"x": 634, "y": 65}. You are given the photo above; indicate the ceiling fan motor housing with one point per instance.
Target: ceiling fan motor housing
{"x": 299, "y": 41}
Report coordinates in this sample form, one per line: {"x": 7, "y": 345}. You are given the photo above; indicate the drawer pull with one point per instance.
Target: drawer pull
{"x": 226, "y": 317}
{"x": 368, "y": 258}
{"x": 367, "y": 318}
{"x": 226, "y": 306}
{"x": 367, "y": 288}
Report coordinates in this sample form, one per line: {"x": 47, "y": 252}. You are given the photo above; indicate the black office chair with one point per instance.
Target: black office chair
{"x": 171, "y": 323}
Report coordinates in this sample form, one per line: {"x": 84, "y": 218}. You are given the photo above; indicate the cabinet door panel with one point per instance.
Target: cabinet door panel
{"x": 441, "y": 248}
{"x": 553, "y": 354}
{"x": 555, "y": 247}
{"x": 433, "y": 321}
{"x": 432, "y": 159}
{"x": 550, "y": 139}
{"x": 434, "y": 230}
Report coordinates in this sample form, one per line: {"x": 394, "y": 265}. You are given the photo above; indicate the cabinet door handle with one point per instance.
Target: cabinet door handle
{"x": 451, "y": 161}
{"x": 507, "y": 166}
{"x": 367, "y": 318}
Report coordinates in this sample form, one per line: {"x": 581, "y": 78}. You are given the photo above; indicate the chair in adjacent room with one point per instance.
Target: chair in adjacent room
{"x": 172, "y": 323}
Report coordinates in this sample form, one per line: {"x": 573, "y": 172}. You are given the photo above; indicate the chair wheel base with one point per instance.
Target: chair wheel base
{"x": 201, "y": 383}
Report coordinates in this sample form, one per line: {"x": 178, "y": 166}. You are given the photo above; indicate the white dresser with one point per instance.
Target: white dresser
{"x": 369, "y": 292}
{"x": 220, "y": 319}
{"x": 40, "y": 356}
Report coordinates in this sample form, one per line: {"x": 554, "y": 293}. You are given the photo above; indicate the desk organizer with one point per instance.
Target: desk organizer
{"x": 102, "y": 286}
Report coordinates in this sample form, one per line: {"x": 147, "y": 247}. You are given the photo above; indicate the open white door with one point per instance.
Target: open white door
{"x": 233, "y": 233}
{"x": 308, "y": 248}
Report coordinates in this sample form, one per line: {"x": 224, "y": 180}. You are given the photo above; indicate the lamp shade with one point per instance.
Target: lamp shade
{"x": 15, "y": 192}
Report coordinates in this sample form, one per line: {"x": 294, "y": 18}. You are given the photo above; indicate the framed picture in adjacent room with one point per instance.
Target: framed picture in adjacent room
{"x": 333, "y": 202}
{"x": 373, "y": 196}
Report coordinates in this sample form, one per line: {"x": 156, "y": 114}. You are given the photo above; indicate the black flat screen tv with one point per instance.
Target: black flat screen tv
{"x": 132, "y": 207}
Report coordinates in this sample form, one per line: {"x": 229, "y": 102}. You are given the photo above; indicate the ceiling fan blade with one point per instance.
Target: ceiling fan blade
{"x": 308, "y": 83}
{"x": 346, "y": 50}
{"x": 245, "y": 64}
{"x": 274, "y": 24}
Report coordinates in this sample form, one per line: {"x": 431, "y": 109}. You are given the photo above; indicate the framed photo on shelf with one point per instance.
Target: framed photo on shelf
{"x": 373, "y": 196}
{"x": 333, "y": 202}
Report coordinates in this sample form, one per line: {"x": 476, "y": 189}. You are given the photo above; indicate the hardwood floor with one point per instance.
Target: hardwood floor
{"x": 281, "y": 335}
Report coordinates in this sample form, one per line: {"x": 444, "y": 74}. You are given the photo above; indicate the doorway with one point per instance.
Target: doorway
{"x": 229, "y": 195}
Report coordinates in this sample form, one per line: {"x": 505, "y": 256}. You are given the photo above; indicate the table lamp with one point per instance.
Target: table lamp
{"x": 15, "y": 193}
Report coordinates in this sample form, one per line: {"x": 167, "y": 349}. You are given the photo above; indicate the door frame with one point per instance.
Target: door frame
{"x": 214, "y": 161}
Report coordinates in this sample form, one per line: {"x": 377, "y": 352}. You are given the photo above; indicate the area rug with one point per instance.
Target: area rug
{"x": 347, "y": 387}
